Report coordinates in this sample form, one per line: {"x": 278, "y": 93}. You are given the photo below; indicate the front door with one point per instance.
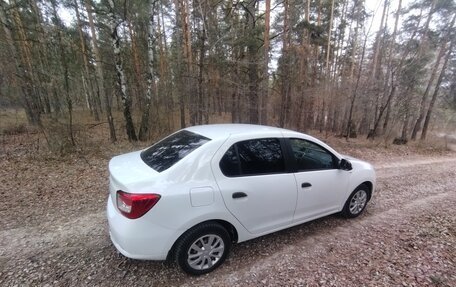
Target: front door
{"x": 321, "y": 185}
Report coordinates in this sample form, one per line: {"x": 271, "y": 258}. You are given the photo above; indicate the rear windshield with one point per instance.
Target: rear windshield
{"x": 172, "y": 149}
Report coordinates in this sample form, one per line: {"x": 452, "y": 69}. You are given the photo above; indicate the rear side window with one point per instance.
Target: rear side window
{"x": 253, "y": 157}
{"x": 172, "y": 149}
{"x": 230, "y": 163}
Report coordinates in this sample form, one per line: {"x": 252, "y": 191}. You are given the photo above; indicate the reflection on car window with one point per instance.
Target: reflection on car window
{"x": 253, "y": 157}
{"x": 310, "y": 156}
{"x": 170, "y": 150}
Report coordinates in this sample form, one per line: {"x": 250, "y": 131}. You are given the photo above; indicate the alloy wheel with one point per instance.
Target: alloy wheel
{"x": 205, "y": 251}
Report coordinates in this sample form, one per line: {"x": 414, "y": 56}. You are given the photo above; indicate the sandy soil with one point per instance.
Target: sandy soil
{"x": 53, "y": 232}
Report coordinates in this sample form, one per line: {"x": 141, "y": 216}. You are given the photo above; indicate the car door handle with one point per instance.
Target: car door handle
{"x": 306, "y": 184}
{"x": 239, "y": 195}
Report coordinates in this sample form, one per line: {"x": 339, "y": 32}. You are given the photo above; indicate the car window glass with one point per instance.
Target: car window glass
{"x": 310, "y": 156}
{"x": 229, "y": 164}
{"x": 172, "y": 149}
{"x": 260, "y": 156}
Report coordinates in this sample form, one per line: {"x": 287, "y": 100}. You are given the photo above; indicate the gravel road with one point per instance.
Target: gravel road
{"x": 406, "y": 237}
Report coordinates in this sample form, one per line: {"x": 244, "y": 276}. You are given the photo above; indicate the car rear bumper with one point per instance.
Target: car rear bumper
{"x": 139, "y": 238}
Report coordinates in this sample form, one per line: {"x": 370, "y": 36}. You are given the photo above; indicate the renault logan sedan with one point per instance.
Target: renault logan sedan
{"x": 191, "y": 195}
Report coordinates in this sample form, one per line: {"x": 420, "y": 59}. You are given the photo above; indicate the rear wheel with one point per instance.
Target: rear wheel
{"x": 203, "y": 248}
{"x": 356, "y": 202}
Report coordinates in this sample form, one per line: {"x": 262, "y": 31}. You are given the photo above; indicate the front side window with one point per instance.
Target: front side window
{"x": 310, "y": 156}
{"x": 253, "y": 157}
{"x": 172, "y": 149}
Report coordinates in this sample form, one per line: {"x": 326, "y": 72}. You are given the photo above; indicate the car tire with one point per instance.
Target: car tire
{"x": 202, "y": 248}
{"x": 356, "y": 202}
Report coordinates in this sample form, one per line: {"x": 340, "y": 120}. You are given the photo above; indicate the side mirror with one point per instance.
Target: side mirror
{"x": 345, "y": 164}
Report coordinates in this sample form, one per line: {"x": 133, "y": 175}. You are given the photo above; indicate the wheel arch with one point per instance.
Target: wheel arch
{"x": 230, "y": 228}
{"x": 370, "y": 186}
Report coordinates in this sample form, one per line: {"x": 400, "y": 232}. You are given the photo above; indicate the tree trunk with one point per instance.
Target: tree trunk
{"x": 436, "y": 90}
{"x": 417, "y": 126}
{"x": 424, "y": 39}
{"x": 99, "y": 70}
{"x": 389, "y": 77}
{"x": 265, "y": 95}
{"x": 165, "y": 87}
{"x": 373, "y": 133}
{"x": 121, "y": 79}
{"x": 189, "y": 90}
{"x": 64, "y": 62}
{"x": 136, "y": 61}
{"x": 32, "y": 116}
{"x": 377, "y": 43}
{"x": 354, "y": 93}
{"x": 202, "y": 103}
{"x": 43, "y": 77}
{"x": 144, "y": 128}
{"x": 180, "y": 75}
{"x": 285, "y": 85}
{"x": 201, "y": 107}
{"x": 340, "y": 42}
{"x": 31, "y": 96}
{"x": 328, "y": 46}
{"x": 86, "y": 73}
{"x": 252, "y": 60}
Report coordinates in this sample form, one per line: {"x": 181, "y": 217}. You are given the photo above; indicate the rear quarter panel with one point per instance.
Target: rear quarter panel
{"x": 193, "y": 173}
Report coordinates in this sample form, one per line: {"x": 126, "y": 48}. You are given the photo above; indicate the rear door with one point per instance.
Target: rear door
{"x": 256, "y": 184}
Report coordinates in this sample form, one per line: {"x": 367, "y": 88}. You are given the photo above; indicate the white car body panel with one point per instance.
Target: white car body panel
{"x": 271, "y": 198}
{"x": 323, "y": 196}
{"x": 194, "y": 190}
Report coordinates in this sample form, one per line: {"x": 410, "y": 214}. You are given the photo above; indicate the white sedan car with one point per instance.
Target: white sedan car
{"x": 194, "y": 193}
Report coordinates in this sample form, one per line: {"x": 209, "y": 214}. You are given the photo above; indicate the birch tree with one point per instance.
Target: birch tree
{"x": 120, "y": 73}
{"x": 144, "y": 128}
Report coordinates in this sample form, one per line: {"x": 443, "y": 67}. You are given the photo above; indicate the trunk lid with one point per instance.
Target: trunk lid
{"x": 129, "y": 173}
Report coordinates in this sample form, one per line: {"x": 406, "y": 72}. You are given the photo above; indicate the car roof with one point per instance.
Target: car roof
{"x": 217, "y": 131}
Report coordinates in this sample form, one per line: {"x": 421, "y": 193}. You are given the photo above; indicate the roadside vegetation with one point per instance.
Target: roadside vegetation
{"x": 141, "y": 69}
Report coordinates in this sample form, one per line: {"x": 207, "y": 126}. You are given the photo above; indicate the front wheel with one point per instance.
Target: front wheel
{"x": 356, "y": 202}
{"x": 203, "y": 248}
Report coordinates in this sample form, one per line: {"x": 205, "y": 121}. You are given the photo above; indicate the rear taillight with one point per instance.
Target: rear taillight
{"x": 135, "y": 205}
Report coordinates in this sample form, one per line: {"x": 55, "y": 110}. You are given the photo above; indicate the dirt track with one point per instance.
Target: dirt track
{"x": 407, "y": 237}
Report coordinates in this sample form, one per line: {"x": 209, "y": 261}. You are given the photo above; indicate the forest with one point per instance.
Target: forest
{"x": 140, "y": 69}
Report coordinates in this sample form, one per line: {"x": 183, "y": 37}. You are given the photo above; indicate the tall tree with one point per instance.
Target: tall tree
{"x": 29, "y": 102}
{"x": 88, "y": 86}
{"x": 144, "y": 128}
{"x": 43, "y": 76}
{"x": 265, "y": 95}
{"x": 437, "y": 87}
{"x": 389, "y": 78}
{"x": 64, "y": 65}
{"x": 252, "y": 59}
{"x": 359, "y": 18}
{"x": 100, "y": 72}
{"x": 121, "y": 78}
{"x": 417, "y": 126}
{"x": 31, "y": 95}
{"x": 285, "y": 84}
